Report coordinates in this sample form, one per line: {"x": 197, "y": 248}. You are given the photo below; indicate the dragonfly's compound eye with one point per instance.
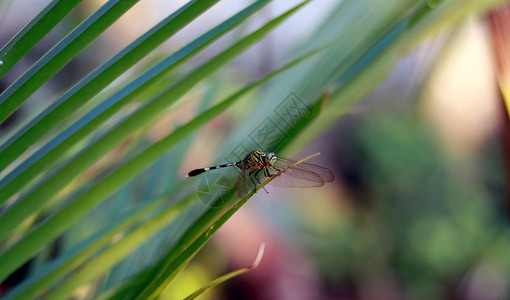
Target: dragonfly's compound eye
{"x": 271, "y": 158}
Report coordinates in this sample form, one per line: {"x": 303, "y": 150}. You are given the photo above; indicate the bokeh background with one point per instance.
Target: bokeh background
{"x": 418, "y": 208}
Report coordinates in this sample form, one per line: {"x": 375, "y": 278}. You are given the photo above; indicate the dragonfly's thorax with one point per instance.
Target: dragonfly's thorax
{"x": 256, "y": 159}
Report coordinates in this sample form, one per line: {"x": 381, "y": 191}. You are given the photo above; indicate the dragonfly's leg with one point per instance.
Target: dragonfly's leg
{"x": 253, "y": 175}
{"x": 256, "y": 178}
{"x": 253, "y": 181}
{"x": 256, "y": 173}
{"x": 266, "y": 172}
{"x": 277, "y": 170}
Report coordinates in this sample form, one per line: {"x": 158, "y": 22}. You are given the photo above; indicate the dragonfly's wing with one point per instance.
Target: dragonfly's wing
{"x": 291, "y": 178}
{"x": 295, "y": 177}
{"x": 301, "y": 174}
{"x": 299, "y": 170}
{"x": 285, "y": 180}
{"x": 244, "y": 184}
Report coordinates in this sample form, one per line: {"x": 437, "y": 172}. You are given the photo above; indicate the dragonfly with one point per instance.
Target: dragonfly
{"x": 268, "y": 164}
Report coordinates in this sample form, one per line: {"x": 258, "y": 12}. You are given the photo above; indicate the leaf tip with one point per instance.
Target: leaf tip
{"x": 257, "y": 260}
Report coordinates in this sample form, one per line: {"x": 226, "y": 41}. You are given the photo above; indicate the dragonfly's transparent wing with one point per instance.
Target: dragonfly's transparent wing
{"x": 291, "y": 178}
{"x": 288, "y": 180}
{"x": 244, "y": 184}
{"x": 301, "y": 175}
{"x": 303, "y": 170}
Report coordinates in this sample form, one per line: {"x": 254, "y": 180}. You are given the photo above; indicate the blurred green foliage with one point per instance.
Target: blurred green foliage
{"x": 106, "y": 193}
{"x": 419, "y": 217}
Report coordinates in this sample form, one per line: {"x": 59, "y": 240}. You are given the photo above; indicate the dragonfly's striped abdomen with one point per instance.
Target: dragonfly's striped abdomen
{"x": 200, "y": 171}
{"x": 255, "y": 159}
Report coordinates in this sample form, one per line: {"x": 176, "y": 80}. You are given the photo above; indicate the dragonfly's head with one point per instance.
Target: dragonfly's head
{"x": 270, "y": 158}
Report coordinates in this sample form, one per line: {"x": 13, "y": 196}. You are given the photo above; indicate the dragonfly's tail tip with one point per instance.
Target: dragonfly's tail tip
{"x": 195, "y": 172}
